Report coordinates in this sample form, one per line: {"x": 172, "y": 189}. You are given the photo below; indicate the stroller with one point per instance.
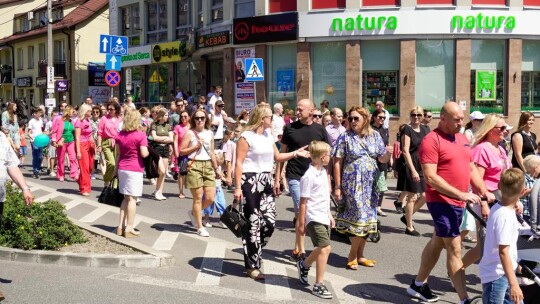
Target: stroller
{"x": 529, "y": 260}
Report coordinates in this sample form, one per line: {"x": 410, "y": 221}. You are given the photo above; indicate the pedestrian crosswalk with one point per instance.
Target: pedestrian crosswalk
{"x": 212, "y": 272}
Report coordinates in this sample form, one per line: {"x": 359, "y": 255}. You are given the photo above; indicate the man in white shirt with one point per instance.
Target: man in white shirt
{"x": 129, "y": 103}
{"x": 380, "y": 105}
{"x": 89, "y": 101}
{"x": 215, "y": 98}
{"x": 218, "y": 121}
{"x": 278, "y": 123}
{"x": 35, "y": 128}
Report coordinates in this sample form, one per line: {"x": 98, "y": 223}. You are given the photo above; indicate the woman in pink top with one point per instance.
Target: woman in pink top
{"x": 491, "y": 160}
{"x": 133, "y": 147}
{"x": 84, "y": 145}
{"x": 179, "y": 132}
{"x": 107, "y": 131}
{"x": 63, "y": 139}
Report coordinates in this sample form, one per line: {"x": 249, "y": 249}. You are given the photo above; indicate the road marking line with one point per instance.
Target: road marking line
{"x": 72, "y": 204}
{"x": 94, "y": 215}
{"x": 46, "y": 197}
{"x": 215, "y": 290}
{"x": 340, "y": 284}
{"x": 210, "y": 271}
{"x": 276, "y": 281}
{"x": 137, "y": 220}
{"x": 165, "y": 240}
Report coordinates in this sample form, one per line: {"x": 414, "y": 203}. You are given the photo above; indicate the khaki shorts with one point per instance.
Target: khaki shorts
{"x": 200, "y": 174}
{"x": 319, "y": 234}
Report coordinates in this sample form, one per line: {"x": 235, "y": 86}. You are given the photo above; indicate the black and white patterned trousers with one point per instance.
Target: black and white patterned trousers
{"x": 260, "y": 212}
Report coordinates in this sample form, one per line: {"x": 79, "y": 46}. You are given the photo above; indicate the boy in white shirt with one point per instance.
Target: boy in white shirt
{"x": 35, "y": 128}
{"x": 499, "y": 262}
{"x": 314, "y": 212}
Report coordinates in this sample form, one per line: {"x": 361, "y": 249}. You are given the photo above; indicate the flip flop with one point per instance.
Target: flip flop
{"x": 367, "y": 263}
{"x": 352, "y": 265}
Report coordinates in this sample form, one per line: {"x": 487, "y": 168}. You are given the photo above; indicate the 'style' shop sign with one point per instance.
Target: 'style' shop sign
{"x": 280, "y": 27}
{"x": 214, "y": 39}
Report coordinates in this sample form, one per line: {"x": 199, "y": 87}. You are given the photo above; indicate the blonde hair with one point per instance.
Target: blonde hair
{"x": 318, "y": 148}
{"x": 132, "y": 120}
{"x": 490, "y": 121}
{"x": 531, "y": 162}
{"x": 220, "y": 159}
{"x": 417, "y": 109}
{"x": 256, "y": 117}
{"x": 512, "y": 182}
{"x": 83, "y": 109}
{"x": 68, "y": 111}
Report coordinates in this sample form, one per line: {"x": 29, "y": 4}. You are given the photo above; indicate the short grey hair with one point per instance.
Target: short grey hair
{"x": 531, "y": 161}
{"x": 278, "y": 106}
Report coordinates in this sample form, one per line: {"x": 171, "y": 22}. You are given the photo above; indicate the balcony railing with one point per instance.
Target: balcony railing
{"x": 59, "y": 68}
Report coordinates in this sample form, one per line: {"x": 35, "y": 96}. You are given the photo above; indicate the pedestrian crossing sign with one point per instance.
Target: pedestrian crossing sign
{"x": 255, "y": 70}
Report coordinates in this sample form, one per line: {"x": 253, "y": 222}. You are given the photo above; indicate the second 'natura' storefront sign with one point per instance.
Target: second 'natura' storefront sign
{"x": 419, "y": 22}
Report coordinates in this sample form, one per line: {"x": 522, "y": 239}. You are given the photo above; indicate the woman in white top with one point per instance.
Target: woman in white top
{"x": 255, "y": 155}
{"x": 198, "y": 144}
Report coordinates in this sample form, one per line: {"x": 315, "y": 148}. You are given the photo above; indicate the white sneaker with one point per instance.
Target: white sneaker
{"x": 159, "y": 196}
{"x": 222, "y": 225}
{"x": 168, "y": 174}
{"x": 153, "y": 181}
{"x": 207, "y": 224}
{"x": 192, "y": 219}
{"x": 93, "y": 176}
{"x": 52, "y": 174}
{"x": 202, "y": 232}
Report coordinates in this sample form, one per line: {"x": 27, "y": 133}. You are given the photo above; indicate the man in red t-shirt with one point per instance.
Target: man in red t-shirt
{"x": 445, "y": 155}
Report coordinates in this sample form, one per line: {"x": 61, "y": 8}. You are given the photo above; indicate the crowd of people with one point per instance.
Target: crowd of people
{"x": 311, "y": 155}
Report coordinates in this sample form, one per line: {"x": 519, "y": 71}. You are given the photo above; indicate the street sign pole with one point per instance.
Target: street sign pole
{"x": 50, "y": 47}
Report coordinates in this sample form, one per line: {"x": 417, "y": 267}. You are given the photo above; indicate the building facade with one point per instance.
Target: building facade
{"x": 484, "y": 54}
{"x": 23, "y": 50}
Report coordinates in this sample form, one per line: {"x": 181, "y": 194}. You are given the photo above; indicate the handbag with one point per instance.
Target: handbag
{"x": 151, "y": 163}
{"x": 111, "y": 195}
{"x": 234, "y": 220}
{"x": 184, "y": 163}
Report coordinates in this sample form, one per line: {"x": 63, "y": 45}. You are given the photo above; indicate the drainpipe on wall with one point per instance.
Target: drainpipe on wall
{"x": 68, "y": 71}
{"x": 12, "y": 72}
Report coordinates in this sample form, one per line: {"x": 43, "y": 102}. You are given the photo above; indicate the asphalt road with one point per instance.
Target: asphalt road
{"x": 210, "y": 270}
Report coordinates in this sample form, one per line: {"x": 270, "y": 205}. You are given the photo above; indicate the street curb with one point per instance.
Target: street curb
{"x": 151, "y": 258}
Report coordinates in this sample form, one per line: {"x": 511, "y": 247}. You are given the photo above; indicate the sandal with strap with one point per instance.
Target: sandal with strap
{"x": 255, "y": 274}
{"x": 352, "y": 265}
{"x": 367, "y": 263}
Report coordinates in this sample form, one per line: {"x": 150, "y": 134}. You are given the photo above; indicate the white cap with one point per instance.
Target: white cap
{"x": 509, "y": 127}
{"x": 230, "y": 120}
{"x": 477, "y": 115}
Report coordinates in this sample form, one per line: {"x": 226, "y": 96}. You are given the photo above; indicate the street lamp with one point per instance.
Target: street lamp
{"x": 50, "y": 65}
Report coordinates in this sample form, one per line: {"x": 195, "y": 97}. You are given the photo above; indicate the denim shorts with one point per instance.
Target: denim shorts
{"x": 446, "y": 219}
{"x": 294, "y": 190}
{"x": 496, "y": 292}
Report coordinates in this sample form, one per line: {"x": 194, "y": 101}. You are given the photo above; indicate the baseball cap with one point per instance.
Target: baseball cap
{"x": 219, "y": 102}
{"x": 477, "y": 115}
{"x": 230, "y": 120}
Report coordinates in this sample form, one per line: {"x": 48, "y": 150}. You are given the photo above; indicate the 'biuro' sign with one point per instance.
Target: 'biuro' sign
{"x": 483, "y": 22}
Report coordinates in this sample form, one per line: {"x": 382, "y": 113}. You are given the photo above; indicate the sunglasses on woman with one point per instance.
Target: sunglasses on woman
{"x": 501, "y": 128}
{"x": 354, "y": 118}
{"x": 417, "y": 115}
{"x": 200, "y": 117}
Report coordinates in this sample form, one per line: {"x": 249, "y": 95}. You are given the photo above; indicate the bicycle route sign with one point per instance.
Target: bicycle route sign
{"x": 114, "y": 47}
{"x": 112, "y": 78}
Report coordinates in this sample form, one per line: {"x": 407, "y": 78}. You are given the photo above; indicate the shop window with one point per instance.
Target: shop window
{"x": 187, "y": 76}
{"x": 282, "y": 80}
{"x": 324, "y": 4}
{"x": 435, "y": 2}
{"x": 244, "y": 8}
{"x": 488, "y": 63}
{"x": 434, "y": 73}
{"x": 489, "y": 2}
{"x": 217, "y": 10}
{"x": 380, "y": 77}
{"x": 380, "y": 3}
{"x": 280, "y": 6}
{"x": 328, "y": 65}
{"x": 157, "y": 21}
{"x": 530, "y": 76}
{"x": 531, "y": 2}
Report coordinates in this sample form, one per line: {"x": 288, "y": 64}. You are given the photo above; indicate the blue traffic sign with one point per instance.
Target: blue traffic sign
{"x": 110, "y": 44}
{"x": 113, "y": 62}
{"x": 255, "y": 71}
{"x": 112, "y": 78}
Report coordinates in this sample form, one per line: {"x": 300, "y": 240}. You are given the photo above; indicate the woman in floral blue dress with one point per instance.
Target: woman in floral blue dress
{"x": 355, "y": 170}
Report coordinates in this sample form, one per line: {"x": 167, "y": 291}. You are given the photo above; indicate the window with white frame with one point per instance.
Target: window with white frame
{"x": 59, "y": 53}
{"x": 42, "y": 52}
{"x": 157, "y": 21}
{"x": 217, "y": 10}
{"x": 183, "y": 21}
{"x": 31, "y": 57}
{"x": 131, "y": 26}
{"x": 200, "y": 19}
{"x": 244, "y": 8}
{"x": 20, "y": 59}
